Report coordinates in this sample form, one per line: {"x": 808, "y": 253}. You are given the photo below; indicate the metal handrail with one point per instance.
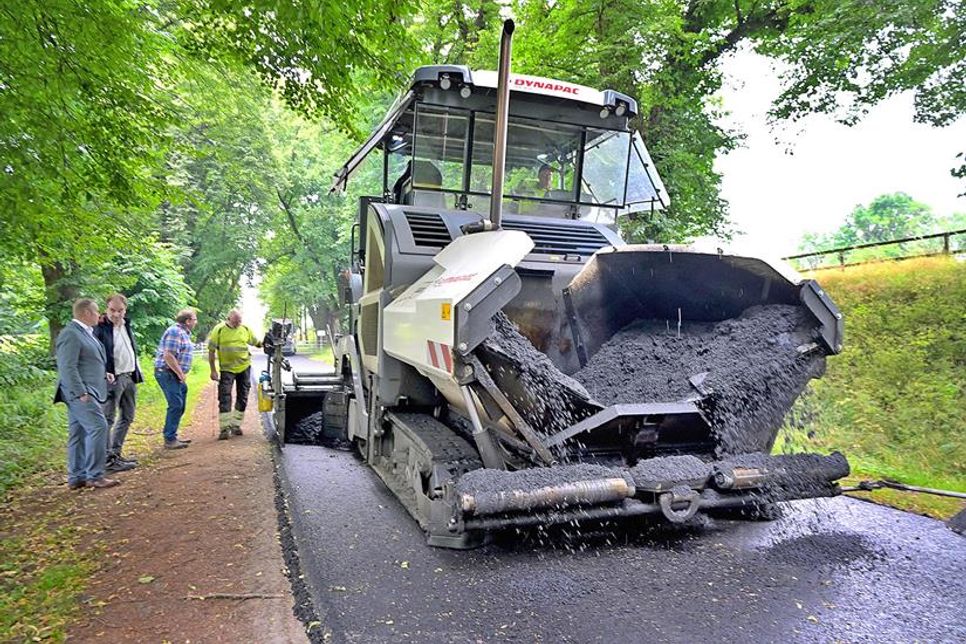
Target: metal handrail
{"x": 945, "y": 235}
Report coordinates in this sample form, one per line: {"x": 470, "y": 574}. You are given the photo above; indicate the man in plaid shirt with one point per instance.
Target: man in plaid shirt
{"x": 172, "y": 362}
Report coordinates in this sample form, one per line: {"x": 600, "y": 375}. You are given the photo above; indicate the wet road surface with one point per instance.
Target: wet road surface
{"x": 838, "y": 569}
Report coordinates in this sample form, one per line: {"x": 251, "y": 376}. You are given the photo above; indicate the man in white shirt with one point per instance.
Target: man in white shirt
{"x": 123, "y": 374}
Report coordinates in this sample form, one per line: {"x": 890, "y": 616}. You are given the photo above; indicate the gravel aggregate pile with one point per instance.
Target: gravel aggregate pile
{"x": 310, "y": 430}
{"x": 747, "y": 371}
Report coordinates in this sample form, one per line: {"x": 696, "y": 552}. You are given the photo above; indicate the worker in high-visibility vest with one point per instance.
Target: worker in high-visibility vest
{"x": 229, "y": 342}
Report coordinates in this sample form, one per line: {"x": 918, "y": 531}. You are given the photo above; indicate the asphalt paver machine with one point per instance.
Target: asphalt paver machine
{"x": 490, "y": 270}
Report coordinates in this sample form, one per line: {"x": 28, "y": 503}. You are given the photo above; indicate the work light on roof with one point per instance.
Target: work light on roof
{"x": 444, "y": 82}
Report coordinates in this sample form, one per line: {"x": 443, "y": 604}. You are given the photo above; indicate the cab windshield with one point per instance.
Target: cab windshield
{"x": 552, "y": 168}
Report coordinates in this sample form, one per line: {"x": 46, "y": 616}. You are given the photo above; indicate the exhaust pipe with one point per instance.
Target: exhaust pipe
{"x": 500, "y": 127}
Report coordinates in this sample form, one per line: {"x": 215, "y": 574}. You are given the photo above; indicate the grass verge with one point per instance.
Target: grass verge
{"x": 322, "y": 354}
{"x": 43, "y": 564}
{"x": 893, "y": 401}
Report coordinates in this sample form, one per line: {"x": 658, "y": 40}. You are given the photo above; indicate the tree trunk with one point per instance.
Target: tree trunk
{"x": 58, "y": 293}
{"x": 325, "y": 318}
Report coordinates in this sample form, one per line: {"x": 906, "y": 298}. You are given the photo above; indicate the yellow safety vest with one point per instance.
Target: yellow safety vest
{"x": 231, "y": 346}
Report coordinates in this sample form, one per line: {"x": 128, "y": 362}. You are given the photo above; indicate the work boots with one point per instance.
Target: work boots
{"x": 229, "y": 431}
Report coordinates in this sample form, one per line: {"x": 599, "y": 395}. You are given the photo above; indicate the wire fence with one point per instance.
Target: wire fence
{"x": 951, "y": 242}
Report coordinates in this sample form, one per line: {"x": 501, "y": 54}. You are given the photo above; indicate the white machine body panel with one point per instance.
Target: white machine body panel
{"x": 540, "y": 85}
{"x": 419, "y": 326}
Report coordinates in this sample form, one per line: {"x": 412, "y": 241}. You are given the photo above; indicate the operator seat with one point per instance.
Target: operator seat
{"x": 418, "y": 184}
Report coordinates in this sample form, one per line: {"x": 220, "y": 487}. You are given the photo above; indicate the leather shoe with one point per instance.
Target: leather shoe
{"x": 223, "y": 435}
{"x": 127, "y": 459}
{"x": 102, "y": 482}
{"x": 77, "y": 485}
{"x": 185, "y": 440}
{"x": 175, "y": 444}
{"x": 236, "y": 431}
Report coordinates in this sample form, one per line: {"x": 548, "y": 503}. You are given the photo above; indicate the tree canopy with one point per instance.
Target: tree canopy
{"x": 886, "y": 218}
{"x": 197, "y": 137}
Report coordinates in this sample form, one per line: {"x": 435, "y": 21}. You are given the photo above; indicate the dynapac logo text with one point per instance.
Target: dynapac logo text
{"x": 556, "y": 87}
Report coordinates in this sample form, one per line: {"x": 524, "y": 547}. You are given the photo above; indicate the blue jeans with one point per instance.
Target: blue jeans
{"x": 86, "y": 441}
{"x": 175, "y": 392}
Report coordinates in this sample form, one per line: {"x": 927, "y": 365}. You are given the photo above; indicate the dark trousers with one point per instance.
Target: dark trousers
{"x": 124, "y": 394}
{"x": 242, "y": 383}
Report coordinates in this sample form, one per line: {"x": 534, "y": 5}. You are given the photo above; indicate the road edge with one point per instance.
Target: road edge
{"x": 304, "y": 606}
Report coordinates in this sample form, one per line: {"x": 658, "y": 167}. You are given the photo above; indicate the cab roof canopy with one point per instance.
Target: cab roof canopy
{"x": 448, "y": 114}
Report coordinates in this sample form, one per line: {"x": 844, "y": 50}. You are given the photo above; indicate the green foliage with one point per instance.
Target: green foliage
{"x": 225, "y": 169}
{"x": 30, "y": 424}
{"x": 887, "y": 217}
{"x": 33, "y": 428}
{"x": 845, "y": 56}
{"x": 21, "y": 297}
{"x": 23, "y": 360}
{"x": 321, "y": 57}
{"x": 848, "y": 55}
{"x": 96, "y": 138}
{"x": 151, "y": 279}
{"x": 669, "y": 55}
{"x": 894, "y": 399}
{"x": 155, "y": 288}
{"x": 312, "y": 228}
{"x": 459, "y": 33}
{"x": 79, "y": 140}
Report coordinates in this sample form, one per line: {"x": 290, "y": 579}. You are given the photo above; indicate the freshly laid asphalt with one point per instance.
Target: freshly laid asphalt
{"x": 830, "y": 570}
{"x": 839, "y": 569}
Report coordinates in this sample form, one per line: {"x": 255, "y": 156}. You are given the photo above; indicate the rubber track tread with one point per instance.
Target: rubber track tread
{"x": 443, "y": 443}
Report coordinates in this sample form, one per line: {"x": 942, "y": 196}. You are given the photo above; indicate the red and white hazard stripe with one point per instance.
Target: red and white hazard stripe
{"x": 440, "y": 355}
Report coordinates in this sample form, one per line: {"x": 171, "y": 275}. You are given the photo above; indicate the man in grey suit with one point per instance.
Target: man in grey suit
{"x": 82, "y": 385}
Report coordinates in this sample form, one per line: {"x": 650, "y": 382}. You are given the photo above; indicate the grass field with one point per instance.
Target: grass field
{"x": 893, "y": 400}
{"x": 323, "y": 354}
{"x": 43, "y": 567}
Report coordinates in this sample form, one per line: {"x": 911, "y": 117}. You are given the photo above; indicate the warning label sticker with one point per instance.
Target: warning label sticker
{"x": 446, "y": 311}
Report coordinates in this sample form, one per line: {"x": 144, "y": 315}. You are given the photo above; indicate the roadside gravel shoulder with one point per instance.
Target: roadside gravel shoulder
{"x": 191, "y": 546}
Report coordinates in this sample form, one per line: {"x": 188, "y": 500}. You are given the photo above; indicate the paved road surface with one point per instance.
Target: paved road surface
{"x": 837, "y": 569}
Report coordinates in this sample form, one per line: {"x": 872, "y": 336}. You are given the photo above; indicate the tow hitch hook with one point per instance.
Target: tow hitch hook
{"x": 676, "y": 496}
